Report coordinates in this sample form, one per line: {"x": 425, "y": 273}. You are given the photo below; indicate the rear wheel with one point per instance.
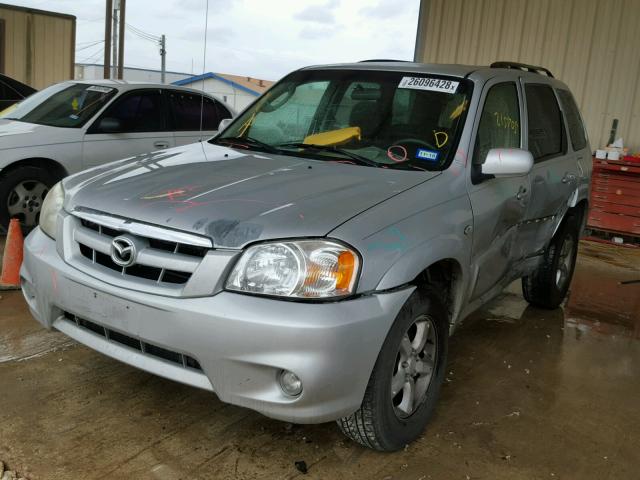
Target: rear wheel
{"x": 548, "y": 285}
{"x": 406, "y": 379}
{"x": 22, "y": 192}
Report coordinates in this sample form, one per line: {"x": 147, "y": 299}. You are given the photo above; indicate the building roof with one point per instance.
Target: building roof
{"x": 37, "y": 11}
{"x": 139, "y": 69}
{"x": 253, "y": 86}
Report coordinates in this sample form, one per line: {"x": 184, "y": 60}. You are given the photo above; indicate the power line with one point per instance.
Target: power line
{"x": 88, "y": 41}
{"x": 142, "y": 34}
{"x": 152, "y": 40}
{"x": 94, "y": 56}
{"x": 89, "y": 46}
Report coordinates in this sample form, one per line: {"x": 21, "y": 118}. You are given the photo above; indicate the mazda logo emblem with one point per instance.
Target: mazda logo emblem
{"x": 123, "y": 251}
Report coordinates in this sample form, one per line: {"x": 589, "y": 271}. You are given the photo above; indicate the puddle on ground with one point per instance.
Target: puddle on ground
{"x": 599, "y": 299}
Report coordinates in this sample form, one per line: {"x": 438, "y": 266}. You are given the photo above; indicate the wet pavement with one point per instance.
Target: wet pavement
{"x": 529, "y": 394}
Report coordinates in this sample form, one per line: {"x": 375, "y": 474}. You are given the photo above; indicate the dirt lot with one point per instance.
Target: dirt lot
{"x": 529, "y": 394}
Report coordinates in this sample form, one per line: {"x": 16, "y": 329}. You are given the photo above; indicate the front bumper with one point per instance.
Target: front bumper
{"x": 240, "y": 342}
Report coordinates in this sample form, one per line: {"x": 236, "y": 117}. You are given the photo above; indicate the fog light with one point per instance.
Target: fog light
{"x": 290, "y": 383}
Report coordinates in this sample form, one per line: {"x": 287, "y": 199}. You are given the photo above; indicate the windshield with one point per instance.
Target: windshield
{"x": 384, "y": 119}
{"x": 62, "y": 105}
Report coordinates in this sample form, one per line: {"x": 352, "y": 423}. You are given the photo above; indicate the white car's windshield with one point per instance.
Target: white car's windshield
{"x": 62, "y": 105}
{"x": 376, "y": 118}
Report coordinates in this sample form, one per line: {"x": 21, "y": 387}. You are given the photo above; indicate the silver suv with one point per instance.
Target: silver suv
{"x": 311, "y": 260}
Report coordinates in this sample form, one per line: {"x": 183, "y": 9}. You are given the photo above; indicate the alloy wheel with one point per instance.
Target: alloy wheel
{"x": 414, "y": 367}
{"x": 25, "y": 201}
{"x": 565, "y": 262}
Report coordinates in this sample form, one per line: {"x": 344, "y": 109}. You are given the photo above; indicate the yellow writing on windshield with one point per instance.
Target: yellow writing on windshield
{"x": 458, "y": 110}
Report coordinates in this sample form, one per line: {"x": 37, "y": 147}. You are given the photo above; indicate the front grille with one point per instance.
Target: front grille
{"x": 146, "y": 348}
{"x": 160, "y": 261}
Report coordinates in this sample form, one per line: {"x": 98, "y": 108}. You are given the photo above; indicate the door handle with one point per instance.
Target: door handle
{"x": 568, "y": 177}
{"x": 522, "y": 191}
{"x": 161, "y": 144}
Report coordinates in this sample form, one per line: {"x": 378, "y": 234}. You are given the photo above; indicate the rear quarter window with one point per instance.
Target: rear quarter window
{"x": 546, "y": 131}
{"x": 574, "y": 121}
{"x": 190, "y": 108}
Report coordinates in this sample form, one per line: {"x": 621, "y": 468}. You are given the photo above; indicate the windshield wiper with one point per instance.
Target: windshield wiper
{"x": 247, "y": 142}
{"x": 359, "y": 159}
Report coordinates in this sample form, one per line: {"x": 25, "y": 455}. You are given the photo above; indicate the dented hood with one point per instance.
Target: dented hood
{"x": 236, "y": 197}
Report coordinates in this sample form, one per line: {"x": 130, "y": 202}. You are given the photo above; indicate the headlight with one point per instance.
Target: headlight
{"x": 50, "y": 207}
{"x": 298, "y": 269}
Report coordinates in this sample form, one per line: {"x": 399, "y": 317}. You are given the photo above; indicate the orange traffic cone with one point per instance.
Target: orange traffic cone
{"x": 12, "y": 258}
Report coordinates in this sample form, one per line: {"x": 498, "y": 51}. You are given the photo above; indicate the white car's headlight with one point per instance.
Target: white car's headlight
{"x": 50, "y": 207}
{"x": 296, "y": 269}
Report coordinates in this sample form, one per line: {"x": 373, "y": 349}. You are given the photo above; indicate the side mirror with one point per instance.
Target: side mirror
{"x": 507, "y": 162}
{"x": 224, "y": 123}
{"x": 110, "y": 125}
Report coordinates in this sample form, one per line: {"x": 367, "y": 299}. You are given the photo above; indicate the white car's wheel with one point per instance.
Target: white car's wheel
{"x": 22, "y": 191}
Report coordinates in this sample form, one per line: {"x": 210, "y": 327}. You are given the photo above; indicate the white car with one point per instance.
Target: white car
{"x": 76, "y": 125}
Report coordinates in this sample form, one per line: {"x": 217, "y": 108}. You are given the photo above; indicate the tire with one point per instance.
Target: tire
{"x": 17, "y": 191}
{"x": 547, "y": 286}
{"x": 383, "y": 421}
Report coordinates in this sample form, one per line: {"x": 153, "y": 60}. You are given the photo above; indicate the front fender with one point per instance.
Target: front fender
{"x": 423, "y": 255}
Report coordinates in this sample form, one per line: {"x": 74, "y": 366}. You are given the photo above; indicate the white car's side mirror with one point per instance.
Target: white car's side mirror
{"x": 224, "y": 123}
{"x": 507, "y": 162}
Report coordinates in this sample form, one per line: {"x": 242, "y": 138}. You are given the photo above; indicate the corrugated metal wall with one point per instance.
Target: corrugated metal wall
{"x": 591, "y": 45}
{"x": 39, "y": 49}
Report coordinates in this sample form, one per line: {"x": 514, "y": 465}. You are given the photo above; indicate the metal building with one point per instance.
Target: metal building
{"x": 592, "y": 45}
{"x": 235, "y": 90}
{"x": 37, "y": 47}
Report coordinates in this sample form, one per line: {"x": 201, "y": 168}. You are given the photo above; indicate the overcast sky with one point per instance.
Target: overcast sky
{"x": 258, "y": 38}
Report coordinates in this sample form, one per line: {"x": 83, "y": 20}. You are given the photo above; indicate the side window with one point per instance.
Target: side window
{"x": 546, "y": 131}
{"x": 186, "y": 111}
{"x": 499, "y": 125}
{"x": 138, "y": 112}
{"x": 574, "y": 122}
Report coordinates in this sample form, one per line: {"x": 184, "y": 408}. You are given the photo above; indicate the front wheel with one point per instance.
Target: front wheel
{"x": 547, "y": 286}
{"x": 406, "y": 379}
{"x": 22, "y": 191}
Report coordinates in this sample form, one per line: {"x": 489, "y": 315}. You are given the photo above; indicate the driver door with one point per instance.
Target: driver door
{"x": 499, "y": 203}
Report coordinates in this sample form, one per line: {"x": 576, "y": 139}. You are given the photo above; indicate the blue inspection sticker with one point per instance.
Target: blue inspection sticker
{"x": 429, "y": 155}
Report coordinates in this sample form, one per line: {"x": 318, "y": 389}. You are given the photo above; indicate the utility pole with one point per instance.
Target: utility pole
{"x": 121, "y": 30}
{"x": 107, "y": 39}
{"x": 114, "y": 39}
{"x": 163, "y": 57}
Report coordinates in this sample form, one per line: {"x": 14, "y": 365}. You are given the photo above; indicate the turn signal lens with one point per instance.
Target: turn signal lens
{"x": 346, "y": 270}
{"x": 301, "y": 269}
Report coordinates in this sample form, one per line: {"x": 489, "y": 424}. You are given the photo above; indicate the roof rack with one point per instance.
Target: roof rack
{"x": 522, "y": 66}
{"x": 382, "y": 60}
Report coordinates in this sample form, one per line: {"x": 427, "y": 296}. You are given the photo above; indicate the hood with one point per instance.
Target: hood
{"x": 16, "y": 134}
{"x": 236, "y": 197}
